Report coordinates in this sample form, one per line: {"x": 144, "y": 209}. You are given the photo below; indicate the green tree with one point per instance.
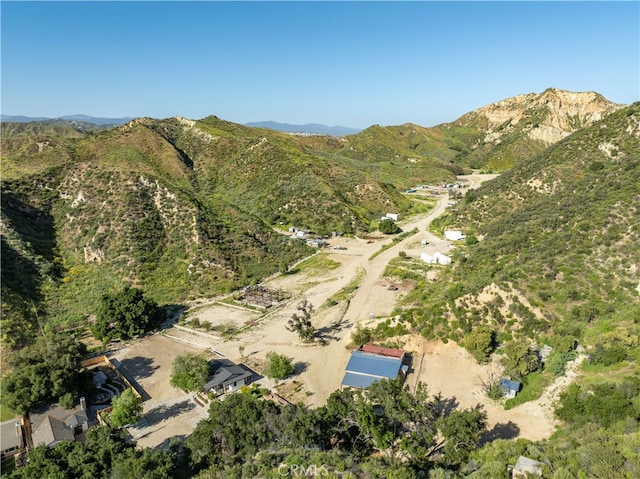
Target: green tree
{"x": 519, "y": 359}
{"x": 301, "y": 323}
{"x": 67, "y": 400}
{"x": 283, "y": 267}
{"x": 127, "y": 409}
{"x": 361, "y": 335}
{"x": 608, "y": 354}
{"x": 145, "y": 464}
{"x": 126, "y": 314}
{"x": 278, "y": 365}
{"x": 470, "y": 240}
{"x": 461, "y": 431}
{"x": 236, "y": 429}
{"x": 388, "y": 226}
{"x": 45, "y": 371}
{"x": 479, "y": 343}
{"x": 190, "y": 372}
{"x": 92, "y": 459}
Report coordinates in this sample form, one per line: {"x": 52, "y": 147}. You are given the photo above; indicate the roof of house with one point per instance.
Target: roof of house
{"x": 365, "y": 368}
{"x": 531, "y": 466}
{"x": 226, "y": 375}
{"x": 72, "y": 417}
{"x": 48, "y": 422}
{"x": 9, "y": 438}
{"x": 76, "y": 418}
{"x": 51, "y": 430}
{"x": 510, "y": 385}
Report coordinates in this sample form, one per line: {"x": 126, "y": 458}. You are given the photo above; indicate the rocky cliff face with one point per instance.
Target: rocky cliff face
{"x": 547, "y": 117}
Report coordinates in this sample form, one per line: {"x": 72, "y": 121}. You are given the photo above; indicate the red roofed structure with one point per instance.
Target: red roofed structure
{"x": 389, "y": 352}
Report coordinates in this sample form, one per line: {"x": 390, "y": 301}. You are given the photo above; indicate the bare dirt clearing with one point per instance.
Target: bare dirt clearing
{"x": 167, "y": 411}
{"x": 220, "y": 315}
{"x": 450, "y": 370}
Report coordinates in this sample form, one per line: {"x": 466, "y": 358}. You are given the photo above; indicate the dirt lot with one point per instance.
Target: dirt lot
{"x": 167, "y": 411}
{"x": 449, "y": 369}
{"x": 446, "y": 368}
{"x": 220, "y": 315}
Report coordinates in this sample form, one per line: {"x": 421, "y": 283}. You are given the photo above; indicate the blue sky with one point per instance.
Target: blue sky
{"x": 337, "y": 63}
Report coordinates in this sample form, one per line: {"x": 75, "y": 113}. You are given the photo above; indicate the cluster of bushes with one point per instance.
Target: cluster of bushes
{"x": 603, "y": 404}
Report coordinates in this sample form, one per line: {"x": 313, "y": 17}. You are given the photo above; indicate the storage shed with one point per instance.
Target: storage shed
{"x": 442, "y": 258}
{"x": 454, "y": 235}
{"x": 427, "y": 258}
{"x": 510, "y": 388}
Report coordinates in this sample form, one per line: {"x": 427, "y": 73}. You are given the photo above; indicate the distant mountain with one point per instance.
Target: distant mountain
{"x": 310, "y": 128}
{"x": 78, "y": 118}
{"x": 22, "y": 118}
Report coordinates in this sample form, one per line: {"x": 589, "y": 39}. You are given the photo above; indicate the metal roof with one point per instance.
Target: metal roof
{"x": 9, "y": 438}
{"x": 369, "y": 368}
{"x": 361, "y": 381}
{"x": 370, "y": 348}
{"x": 511, "y": 385}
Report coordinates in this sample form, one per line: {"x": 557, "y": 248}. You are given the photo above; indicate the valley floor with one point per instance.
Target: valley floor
{"x": 445, "y": 368}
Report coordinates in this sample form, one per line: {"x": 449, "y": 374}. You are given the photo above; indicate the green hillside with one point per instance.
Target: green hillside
{"x": 181, "y": 208}
{"x": 187, "y": 209}
{"x": 405, "y": 155}
{"x": 494, "y": 137}
{"x": 563, "y": 229}
{"x": 551, "y": 258}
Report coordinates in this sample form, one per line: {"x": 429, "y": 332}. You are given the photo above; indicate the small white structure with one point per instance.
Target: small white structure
{"x": 454, "y": 235}
{"x": 427, "y": 258}
{"x": 424, "y": 242}
{"x": 441, "y": 258}
{"x": 526, "y": 467}
{"x": 393, "y": 216}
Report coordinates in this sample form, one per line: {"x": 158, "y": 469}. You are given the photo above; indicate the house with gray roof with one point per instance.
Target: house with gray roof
{"x": 10, "y": 437}
{"x": 52, "y": 423}
{"x": 227, "y": 377}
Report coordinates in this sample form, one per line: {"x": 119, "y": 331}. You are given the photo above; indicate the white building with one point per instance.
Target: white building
{"x": 427, "y": 258}
{"x": 393, "y": 216}
{"x": 441, "y": 258}
{"x": 454, "y": 235}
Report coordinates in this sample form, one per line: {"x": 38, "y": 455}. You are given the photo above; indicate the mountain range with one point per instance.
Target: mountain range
{"x": 307, "y": 128}
{"x": 88, "y": 122}
{"x": 189, "y": 208}
{"x": 73, "y": 118}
